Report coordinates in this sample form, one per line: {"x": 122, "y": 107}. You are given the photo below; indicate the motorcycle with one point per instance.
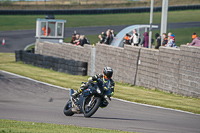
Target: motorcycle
{"x": 89, "y": 101}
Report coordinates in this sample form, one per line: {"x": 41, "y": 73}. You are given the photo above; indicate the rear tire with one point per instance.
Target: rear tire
{"x": 68, "y": 109}
{"x": 93, "y": 109}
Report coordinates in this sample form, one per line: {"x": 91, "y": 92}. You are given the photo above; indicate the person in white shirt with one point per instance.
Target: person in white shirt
{"x": 135, "y": 38}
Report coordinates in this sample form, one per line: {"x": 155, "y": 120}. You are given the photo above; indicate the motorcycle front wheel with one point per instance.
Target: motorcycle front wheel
{"x": 68, "y": 109}
{"x": 91, "y": 105}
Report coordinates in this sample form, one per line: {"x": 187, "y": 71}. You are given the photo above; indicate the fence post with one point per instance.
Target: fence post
{"x": 93, "y": 53}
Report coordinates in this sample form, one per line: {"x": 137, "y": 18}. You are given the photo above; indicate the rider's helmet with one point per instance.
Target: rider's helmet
{"x": 108, "y": 72}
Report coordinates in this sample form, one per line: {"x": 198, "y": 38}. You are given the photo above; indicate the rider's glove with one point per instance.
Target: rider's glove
{"x": 112, "y": 94}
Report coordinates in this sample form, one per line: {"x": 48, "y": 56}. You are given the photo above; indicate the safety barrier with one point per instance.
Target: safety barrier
{"x": 96, "y": 11}
{"x": 57, "y": 64}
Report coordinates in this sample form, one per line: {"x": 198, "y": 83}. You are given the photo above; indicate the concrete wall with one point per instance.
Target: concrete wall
{"x": 168, "y": 69}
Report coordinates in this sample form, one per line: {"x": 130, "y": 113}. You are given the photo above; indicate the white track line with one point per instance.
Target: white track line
{"x": 112, "y": 98}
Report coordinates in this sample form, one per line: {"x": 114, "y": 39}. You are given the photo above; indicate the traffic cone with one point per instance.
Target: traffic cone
{"x": 3, "y": 41}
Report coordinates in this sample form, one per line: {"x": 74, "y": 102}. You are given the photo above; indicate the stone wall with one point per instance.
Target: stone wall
{"x": 66, "y": 51}
{"x": 168, "y": 69}
{"x": 122, "y": 60}
{"x": 189, "y": 73}
{"x": 147, "y": 73}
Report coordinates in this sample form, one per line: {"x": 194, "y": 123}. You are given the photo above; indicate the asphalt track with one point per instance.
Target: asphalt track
{"x": 19, "y": 39}
{"x": 27, "y": 100}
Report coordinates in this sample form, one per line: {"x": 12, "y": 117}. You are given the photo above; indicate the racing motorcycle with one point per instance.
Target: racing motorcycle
{"x": 89, "y": 101}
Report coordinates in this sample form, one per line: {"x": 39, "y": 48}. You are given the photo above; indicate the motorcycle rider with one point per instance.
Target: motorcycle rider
{"x": 105, "y": 77}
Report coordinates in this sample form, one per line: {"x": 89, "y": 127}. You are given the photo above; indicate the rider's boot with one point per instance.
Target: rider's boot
{"x": 74, "y": 95}
{"x": 79, "y": 91}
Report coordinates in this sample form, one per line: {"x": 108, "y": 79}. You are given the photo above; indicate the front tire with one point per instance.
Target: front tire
{"x": 68, "y": 109}
{"x": 88, "y": 112}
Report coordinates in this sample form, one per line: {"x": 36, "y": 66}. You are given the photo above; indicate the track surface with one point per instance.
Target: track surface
{"x": 26, "y": 100}
{"x": 21, "y": 38}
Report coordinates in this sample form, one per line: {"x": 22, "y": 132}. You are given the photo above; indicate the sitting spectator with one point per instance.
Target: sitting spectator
{"x": 165, "y": 39}
{"x": 171, "y": 43}
{"x": 158, "y": 41}
{"x": 73, "y": 38}
{"x": 195, "y": 41}
{"x": 102, "y": 39}
{"x": 135, "y": 38}
{"x": 145, "y": 41}
{"x": 127, "y": 39}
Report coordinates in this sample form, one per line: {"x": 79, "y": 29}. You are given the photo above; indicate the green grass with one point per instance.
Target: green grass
{"x": 19, "y": 22}
{"x": 122, "y": 91}
{"x": 11, "y": 126}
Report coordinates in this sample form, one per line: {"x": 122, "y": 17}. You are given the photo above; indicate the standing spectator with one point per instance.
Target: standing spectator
{"x": 145, "y": 41}
{"x": 173, "y": 37}
{"x": 158, "y": 41}
{"x": 102, "y": 39}
{"x": 77, "y": 39}
{"x": 82, "y": 41}
{"x": 135, "y": 38}
{"x": 169, "y": 36}
{"x": 73, "y": 38}
{"x": 165, "y": 39}
{"x": 127, "y": 39}
{"x": 112, "y": 33}
{"x": 45, "y": 31}
{"x": 195, "y": 41}
{"x": 108, "y": 38}
{"x": 171, "y": 43}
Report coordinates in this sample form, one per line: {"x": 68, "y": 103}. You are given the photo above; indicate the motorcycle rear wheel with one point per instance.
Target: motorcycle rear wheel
{"x": 68, "y": 109}
{"x": 89, "y": 111}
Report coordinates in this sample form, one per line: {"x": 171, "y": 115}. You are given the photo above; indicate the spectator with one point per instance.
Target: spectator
{"x": 135, "y": 38}
{"x": 82, "y": 40}
{"x": 171, "y": 43}
{"x": 158, "y": 41}
{"x": 77, "y": 39}
{"x": 165, "y": 39}
{"x": 112, "y": 33}
{"x": 145, "y": 41}
{"x": 173, "y": 37}
{"x": 45, "y": 31}
{"x": 108, "y": 38}
{"x": 102, "y": 39}
{"x": 195, "y": 41}
{"x": 127, "y": 39}
{"x": 73, "y": 38}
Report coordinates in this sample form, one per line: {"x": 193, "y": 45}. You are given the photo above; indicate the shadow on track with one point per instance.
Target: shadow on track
{"x": 110, "y": 118}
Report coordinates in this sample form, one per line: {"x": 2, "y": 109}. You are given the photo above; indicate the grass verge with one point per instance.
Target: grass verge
{"x": 14, "y": 22}
{"x": 122, "y": 90}
{"x": 11, "y": 126}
